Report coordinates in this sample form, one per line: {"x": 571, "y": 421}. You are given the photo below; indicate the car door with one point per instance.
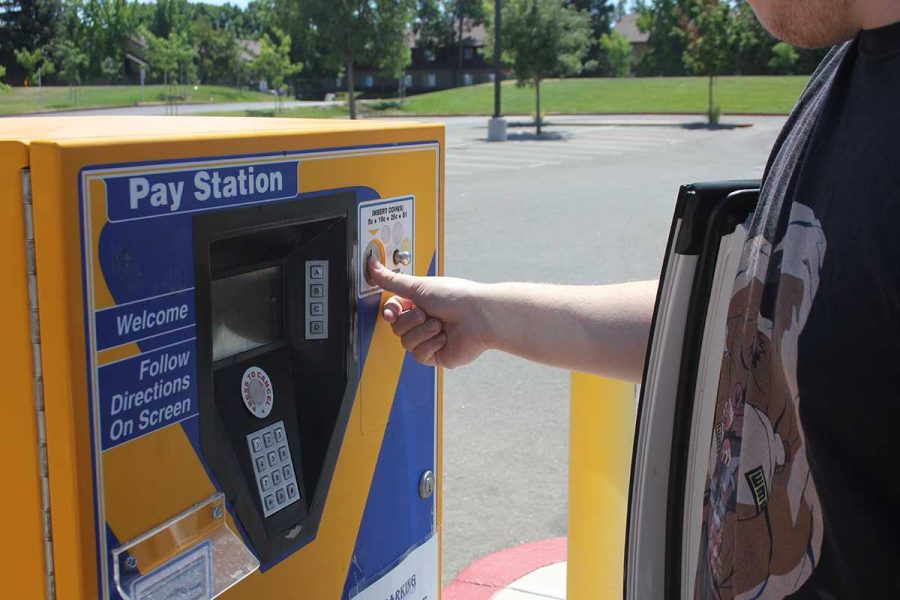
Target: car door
{"x": 678, "y": 395}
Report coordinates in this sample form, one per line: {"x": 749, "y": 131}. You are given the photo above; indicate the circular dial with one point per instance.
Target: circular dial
{"x": 376, "y": 249}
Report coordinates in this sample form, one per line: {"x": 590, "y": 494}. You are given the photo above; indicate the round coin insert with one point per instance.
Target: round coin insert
{"x": 257, "y": 392}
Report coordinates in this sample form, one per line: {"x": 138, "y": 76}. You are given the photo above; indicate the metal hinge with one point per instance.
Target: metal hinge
{"x": 35, "y": 322}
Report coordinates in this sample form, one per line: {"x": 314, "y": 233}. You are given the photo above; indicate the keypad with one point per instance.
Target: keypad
{"x": 274, "y": 468}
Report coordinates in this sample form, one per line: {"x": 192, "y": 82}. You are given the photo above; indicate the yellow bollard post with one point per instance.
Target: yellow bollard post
{"x": 601, "y": 440}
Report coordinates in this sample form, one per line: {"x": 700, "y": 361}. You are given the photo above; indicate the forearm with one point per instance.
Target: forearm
{"x": 595, "y": 329}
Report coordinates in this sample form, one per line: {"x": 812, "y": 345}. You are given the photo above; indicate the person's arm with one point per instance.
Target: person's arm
{"x": 450, "y": 322}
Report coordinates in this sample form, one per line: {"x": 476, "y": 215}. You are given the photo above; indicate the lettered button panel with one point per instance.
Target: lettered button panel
{"x": 274, "y": 468}
{"x": 317, "y": 299}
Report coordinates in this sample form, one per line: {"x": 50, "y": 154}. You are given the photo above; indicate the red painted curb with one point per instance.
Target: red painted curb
{"x": 487, "y": 576}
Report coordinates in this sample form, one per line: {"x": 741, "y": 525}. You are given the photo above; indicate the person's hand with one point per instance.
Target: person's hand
{"x": 439, "y": 319}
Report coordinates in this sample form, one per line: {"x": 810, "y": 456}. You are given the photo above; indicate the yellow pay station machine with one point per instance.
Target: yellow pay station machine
{"x": 200, "y": 397}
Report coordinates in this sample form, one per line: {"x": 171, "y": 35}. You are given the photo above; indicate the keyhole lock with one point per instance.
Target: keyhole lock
{"x": 426, "y": 485}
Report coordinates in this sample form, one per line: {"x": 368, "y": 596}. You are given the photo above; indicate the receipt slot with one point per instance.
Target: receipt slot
{"x": 206, "y": 401}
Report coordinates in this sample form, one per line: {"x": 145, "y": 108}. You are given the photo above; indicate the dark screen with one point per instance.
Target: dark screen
{"x": 246, "y": 311}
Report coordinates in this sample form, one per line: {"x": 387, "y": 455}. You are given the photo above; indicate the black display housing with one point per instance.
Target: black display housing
{"x": 315, "y": 380}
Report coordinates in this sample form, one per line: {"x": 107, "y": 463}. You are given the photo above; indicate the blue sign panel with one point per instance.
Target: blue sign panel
{"x": 144, "y": 318}
{"x": 160, "y": 194}
{"x": 147, "y": 392}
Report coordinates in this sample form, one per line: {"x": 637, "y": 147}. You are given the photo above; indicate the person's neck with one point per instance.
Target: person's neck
{"x": 878, "y": 13}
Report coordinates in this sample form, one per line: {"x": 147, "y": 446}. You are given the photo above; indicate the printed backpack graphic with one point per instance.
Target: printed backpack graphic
{"x": 762, "y": 524}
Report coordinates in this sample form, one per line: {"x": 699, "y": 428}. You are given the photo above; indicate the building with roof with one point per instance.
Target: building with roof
{"x": 432, "y": 68}
{"x": 442, "y": 68}
{"x": 628, "y": 27}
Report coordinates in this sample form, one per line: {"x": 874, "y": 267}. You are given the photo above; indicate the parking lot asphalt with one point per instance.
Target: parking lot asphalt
{"x": 590, "y": 204}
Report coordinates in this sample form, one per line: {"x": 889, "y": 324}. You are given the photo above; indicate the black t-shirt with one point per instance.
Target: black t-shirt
{"x": 803, "y": 500}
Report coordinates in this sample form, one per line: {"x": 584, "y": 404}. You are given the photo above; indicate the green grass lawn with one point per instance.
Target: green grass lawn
{"x": 767, "y": 95}
{"x": 31, "y": 99}
{"x": 303, "y": 112}
{"x": 763, "y": 95}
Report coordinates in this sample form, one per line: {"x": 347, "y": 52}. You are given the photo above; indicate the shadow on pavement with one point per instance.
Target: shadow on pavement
{"x": 652, "y": 122}
{"x": 714, "y": 127}
{"x": 524, "y": 136}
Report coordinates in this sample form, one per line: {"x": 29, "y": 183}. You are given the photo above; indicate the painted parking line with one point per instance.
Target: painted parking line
{"x": 548, "y": 152}
{"x": 580, "y": 146}
{"x": 477, "y": 155}
{"x": 483, "y": 157}
{"x": 605, "y": 144}
{"x": 619, "y": 136}
{"x": 496, "y": 166}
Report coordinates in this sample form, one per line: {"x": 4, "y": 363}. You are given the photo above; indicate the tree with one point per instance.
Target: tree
{"x": 543, "y": 38}
{"x": 258, "y": 16}
{"x": 111, "y": 69}
{"x": 467, "y": 13}
{"x": 753, "y": 44}
{"x": 709, "y": 44}
{"x": 619, "y": 53}
{"x": 295, "y": 18}
{"x": 161, "y": 56}
{"x": 28, "y": 24}
{"x": 72, "y": 65}
{"x": 171, "y": 16}
{"x": 3, "y": 86}
{"x": 355, "y": 32}
{"x": 434, "y": 24}
{"x": 666, "y": 43}
{"x": 601, "y": 13}
{"x": 217, "y": 51}
{"x": 784, "y": 58}
{"x": 274, "y": 62}
{"x": 461, "y": 16}
{"x": 35, "y": 64}
{"x": 447, "y": 24}
{"x": 173, "y": 58}
{"x": 390, "y": 52}
{"x": 105, "y": 28}
{"x": 397, "y": 58}
{"x": 100, "y": 29}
